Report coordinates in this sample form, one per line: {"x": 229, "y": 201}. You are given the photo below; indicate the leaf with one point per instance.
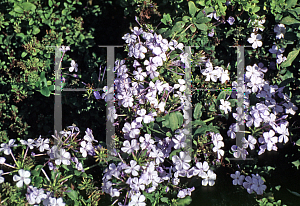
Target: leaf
{"x": 42, "y": 76}
{"x": 185, "y": 201}
{"x": 178, "y": 26}
{"x": 296, "y": 163}
{"x": 289, "y": 20}
{"x": 290, "y": 3}
{"x": 202, "y": 27}
{"x": 192, "y": 8}
{"x": 198, "y": 122}
{"x": 27, "y": 6}
{"x": 197, "y": 111}
{"x": 72, "y": 194}
{"x": 286, "y": 82}
{"x": 166, "y": 19}
{"x": 35, "y": 30}
{"x": 18, "y": 9}
{"x": 45, "y": 91}
{"x": 23, "y": 54}
{"x": 179, "y": 118}
{"x": 290, "y": 58}
{"x": 193, "y": 28}
{"x": 297, "y": 10}
{"x": 50, "y": 3}
{"x": 186, "y": 18}
{"x": 298, "y": 142}
{"x": 38, "y": 181}
{"x": 164, "y": 199}
{"x": 201, "y": 130}
{"x": 294, "y": 193}
{"x": 173, "y": 121}
{"x": 202, "y": 20}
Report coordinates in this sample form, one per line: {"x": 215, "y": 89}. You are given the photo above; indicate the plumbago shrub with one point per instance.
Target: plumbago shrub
{"x": 154, "y": 163}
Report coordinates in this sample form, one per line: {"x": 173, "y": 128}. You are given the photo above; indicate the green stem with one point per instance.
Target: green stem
{"x": 64, "y": 178}
{"x": 207, "y": 120}
{"x": 73, "y": 174}
{"x": 154, "y": 130}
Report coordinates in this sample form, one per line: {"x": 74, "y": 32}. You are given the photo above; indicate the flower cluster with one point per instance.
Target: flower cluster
{"x": 268, "y": 112}
{"x": 215, "y": 73}
{"x": 254, "y": 183}
{"x": 147, "y": 170}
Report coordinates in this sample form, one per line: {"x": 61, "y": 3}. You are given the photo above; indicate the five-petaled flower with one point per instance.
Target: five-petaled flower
{"x": 254, "y": 40}
{"x": 24, "y": 177}
{"x": 279, "y": 29}
{"x": 225, "y": 106}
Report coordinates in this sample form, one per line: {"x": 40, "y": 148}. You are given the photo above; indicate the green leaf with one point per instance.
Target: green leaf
{"x": 45, "y": 91}
{"x": 50, "y": 3}
{"x": 35, "y": 30}
{"x": 297, "y": 10}
{"x": 38, "y": 84}
{"x": 28, "y": 6}
{"x": 289, "y": 20}
{"x": 178, "y": 26}
{"x": 192, "y": 8}
{"x": 179, "y": 118}
{"x": 286, "y": 82}
{"x": 164, "y": 199}
{"x": 51, "y": 87}
{"x": 193, "y": 28}
{"x": 298, "y": 142}
{"x": 290, "y": 3}
{"x": 296, "y": 163}
{"x": 202, "y": 20}
{"x": 294, "y": 193}
{"x": 208, "y": 10}
{"x": 197, "y": 111}
{"x": 72, "y": 194}
{"x": 201, "y": 130}
{"x": 23, "y": 54}
{"x": 168, "y": 134}
{"x": 166, "y": 19}
{"x": 186, "y": 18}
{"x": 38, "y": 181}
{"x": 202, "y": 27}
{"x": 42, "y": 76}
{"x": 185, "y": 201}
{"x": 198, "y": 122}
{"x": 18, "y": 9}
{"x": 290, "y": 58}
{"x": 173, "y": 121}
{"x": 201, "y": 2}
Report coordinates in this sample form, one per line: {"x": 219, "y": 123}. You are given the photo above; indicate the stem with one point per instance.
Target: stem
{"x": 121, "y": 158}
{"x": 8, "y": 165}
{"x": 14, "y": 159}
{"x": 207, "y": 120}
{"x": 134, "y": 157}
{"x": 175, "y": 72}
{"x": 64, "y": 178}
{"x": 46, "y": 175}
{"x": 154, "y": 130}
{"x": 25, "y": 153}
{"x": 187, "y": 27}
{"x": 6, "y": 173}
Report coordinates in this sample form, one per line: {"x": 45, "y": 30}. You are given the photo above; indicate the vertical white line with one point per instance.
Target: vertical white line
{"x": 57, "y": 96}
